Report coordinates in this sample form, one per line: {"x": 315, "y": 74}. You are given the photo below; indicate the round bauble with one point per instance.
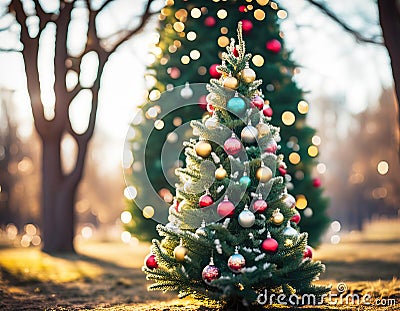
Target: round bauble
{"x": 205, "y": 200}
{"x": 211, "y": 123}
{"x": 308, "y": 252}
{"x": 267, "y": 111}
{"x": 247, "y": 26}
{"x": 232, "y": 146}
{"x": 246, "y": 218}
{"x": 180, "y": 252}
{"x": 186, "y": 92}
{"x": 226, "y": 208}
{"x": 236, "y": 263}
{"x": 236, "y": 105}
{"x": 220, "y": 173}
{"x": 248, "y": 75}
{"x": 210, "y": 21}
{"x": 259, "y": 206}
{"x": 316, "y": 182}
{"x": 151, "y": 261}
{"x": 249, "y": 134}
{"x": 271, "y": 147}
{"x": 269, "y": 245}
{"x": 214, "y": 72}
{"x": 235, "y": 52}
{"x": 277, "y": 218}
{"x": 296, "y": 218}
{"x": 290, "y": 232}
{"x": 231, "y": 83}
{"x": 245, "y": 180}
{"x": 289, "y": 201}
{"x": 242, "y": 9}
{"x": 263, "y": 129}
{"x": 264, "y": 174}
{"x": 257, "y": 102}
{"x": 210, "y": 273}
{"x": 282, "y": 171}
{"x": 203, "y": 149}
{"x": 273, "y": 46}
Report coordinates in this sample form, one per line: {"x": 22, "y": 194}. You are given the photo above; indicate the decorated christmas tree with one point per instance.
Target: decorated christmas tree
{"x": 235, "y": 234}
{"x": 192, "y": 34}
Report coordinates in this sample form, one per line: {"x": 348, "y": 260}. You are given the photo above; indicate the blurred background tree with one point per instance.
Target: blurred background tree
{"x": 188, "y": 31}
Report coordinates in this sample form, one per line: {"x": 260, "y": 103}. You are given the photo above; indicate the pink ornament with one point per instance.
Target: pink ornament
{"x": 205, "y": 200}
{"x": 259, "y": 206}
{"x": 226, "y": 208}
{"x": 210, "y": 21}
{"x": 269, "y": 245}
{"x": 247, "y": 26}
{"x": 274, "y": 46}
{"x": 308, "y": 252}
{"x": 271, "y": 147}
{"x": 296, "y": 218}
{"x": 282, "y": 171}
{"x": 257, "y": 102}
{"x": 210, "y": 273}
{"x": 316, "y": 182}
{"x": 232, "y": 146}
{"x": 203, "y": 102}
{"x": 267, "y": 111}
{"x": 213, "y": 71}
{"x": 151, "y": 261}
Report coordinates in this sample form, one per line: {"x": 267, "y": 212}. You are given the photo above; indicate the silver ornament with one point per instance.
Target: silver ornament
{"x": 249, "y": 134}
{"x": 186, "y": 92}
{"x": 289, "y": 200}
{"x": 211, "y": 123}
{"x": 246, "y": 218}
{"x": 290, "y": 232}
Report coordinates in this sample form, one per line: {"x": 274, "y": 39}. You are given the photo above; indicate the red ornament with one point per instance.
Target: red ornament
{"x": 271, "y": 147}
{"x": 259, "y": 206}
{"x": 203, "y": 102}
{"x": 176, "y": 205}
{"x": 274, "y": 46}
{"x": 210, "y": 108}
{"x": 210, "y": 21}
{"x": 257, "y": 102}
{"x": 210, "y": 273}
{"x": 247, "y": 26}
{"x": 316, "y": 182}
{"x": 232, "y": 146}
{"x": 226, "y": 208}
{"x": 242, "y": 9}
{"x": 267, "y": 111}
{"x": 205, "y": 200}
{"x": 213, "y": 71}
{"x": 235, "y": 52}
{"x": 282, "y": 171}
{"x": 308, "y": 252}
{"x": 269, "y": 245}
{"x": 296, "y": 218}
{"x": 151, "y": 261}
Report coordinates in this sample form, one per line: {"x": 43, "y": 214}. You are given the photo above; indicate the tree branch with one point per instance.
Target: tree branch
{"x": 145, "y": 17}
{"x": 44, "y": 17}
{"x": 357, "y": 35}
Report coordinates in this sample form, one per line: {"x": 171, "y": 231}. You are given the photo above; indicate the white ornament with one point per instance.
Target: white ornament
{"x": 187, "y": 92}
{"x": 246, "y": 218}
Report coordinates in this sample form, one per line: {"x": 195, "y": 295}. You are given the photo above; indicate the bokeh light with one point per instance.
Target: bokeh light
{"x": 302, "y": 107}
{"x": 301, "y": 201}
{"x": 130, "y": 192}
{"x": 383, "y": 167}
{"x": 294, "y": 158}
{"x": 195, "y": 13}
{"x": 258, "y": 60}
{"x": 312, "y": 151}
{"x": 148, "y": 211}
{"x": 126, "y": 217}
{"x": 288, "y": 118}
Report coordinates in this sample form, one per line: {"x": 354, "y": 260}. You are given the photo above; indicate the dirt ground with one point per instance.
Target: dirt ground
{"x": 108, "y": 276}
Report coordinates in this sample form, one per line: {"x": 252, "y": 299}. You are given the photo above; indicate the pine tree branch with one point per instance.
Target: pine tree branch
{"x": 358, "y": 36}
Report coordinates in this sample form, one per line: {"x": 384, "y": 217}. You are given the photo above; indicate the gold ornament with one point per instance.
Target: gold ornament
{"x": 231, "y": 83}
{"x": 277, "y": 217}
{"x": 264, "y": 174}
{"x": 220, "y": 173}
{"x": 180, "y": 252}
{"x": 263, "y": 129}
{"x": 248, "y": 75}
{"x": 203, "y": 149}
{"x": 288, "y": 242}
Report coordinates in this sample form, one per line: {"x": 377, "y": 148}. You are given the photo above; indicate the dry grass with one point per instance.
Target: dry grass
{"x": 108, "y": 276}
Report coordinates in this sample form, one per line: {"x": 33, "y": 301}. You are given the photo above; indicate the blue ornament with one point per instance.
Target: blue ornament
{"x": 236, "y": 105}
{"x": 245, "y": 180}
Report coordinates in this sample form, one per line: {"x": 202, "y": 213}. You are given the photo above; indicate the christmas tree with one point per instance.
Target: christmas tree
{"x": 189, "y": 32}
{"x": 235, "y": 235}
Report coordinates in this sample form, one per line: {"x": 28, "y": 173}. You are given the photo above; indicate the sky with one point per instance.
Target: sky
{"x": 332, "y": 65}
